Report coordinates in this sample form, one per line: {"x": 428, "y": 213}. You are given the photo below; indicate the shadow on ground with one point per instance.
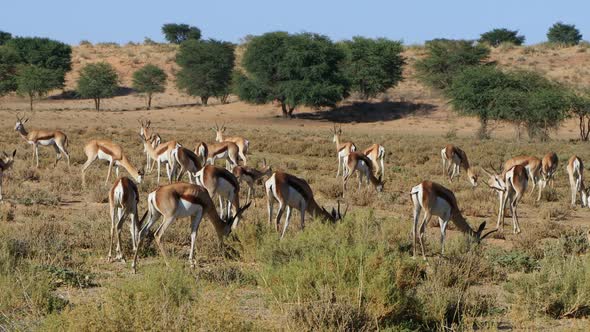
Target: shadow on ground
{"x": 369, "y": 112}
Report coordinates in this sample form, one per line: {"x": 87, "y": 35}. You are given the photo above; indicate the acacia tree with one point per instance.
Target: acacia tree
{"x": 34, "y": 81}
{"x": 498, "y": 36}
{"x": 295, "y": 70}
{"x": 98, "y": 81}
{"x": 579, "y": 104}
{"x": 566, "y": 34}
{"x": 372, "y": 65}
{"x": 44, "y": 53}
{"x": 149, "y": 79}
{"x": 205, "y": 68}
{"x": 445, "y": 58}
{"x": 177, "y": 33}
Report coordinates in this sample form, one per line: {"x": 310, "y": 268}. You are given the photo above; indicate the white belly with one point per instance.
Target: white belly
{"x": 225, "y": 189}
{"x": 186, "y": 208}
{"x": 294, "y": 198}
{"x": 104, "y": 156}
{"x": 46, "y": 142}
{"x": 441, "y": 209}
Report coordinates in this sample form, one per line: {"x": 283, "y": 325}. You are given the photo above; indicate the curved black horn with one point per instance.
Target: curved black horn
{"x": 488, "y": 233}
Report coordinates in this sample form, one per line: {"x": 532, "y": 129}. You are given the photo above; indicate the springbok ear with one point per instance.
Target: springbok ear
{"x": 481, "y": 227}
{"x": 13, "y": 153}
{"x": 26, "y": 120}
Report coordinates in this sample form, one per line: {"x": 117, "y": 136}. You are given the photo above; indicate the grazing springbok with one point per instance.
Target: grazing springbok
{"x": 453, "y": 158}
{"x": 376, "y": 153}
{"x": 146, "y": 130}
{"x": 123, "y": 200}
{"x": 251, "y": 175}
{"x": 54, "y": 138}
{"x": 533, "y": 167}
{"x": 549, "y": 165}
{"x": 439, "y": 201}
{"x": 111, "y": 152}
{"x": 575, "y": 171}
{"x": 179, "y": 200}
{"x": 293, "y": 192}
{"x": 202, "y": 150}
{"x": 356, "y": 161}
{"x": 218, "y": 180}
{"x": 342, "y": 148}
{"x": 510, "y": 185}
{"x": 6, "y": 162}
{"x": 224, "y": 150}
{"x": 242, "y": 143}
{"x": 162, "y": 154}
{"x": 189, "y": 163}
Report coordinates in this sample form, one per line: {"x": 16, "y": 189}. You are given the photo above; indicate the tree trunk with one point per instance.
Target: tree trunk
{"x": 31, "y": 101}
{"x": 97, "y": 104}
{"x": 149, "y": 101}
{"x": 284, "y": 109}
{"x": 204, "y": 100}
{"x": 482, "y": 133}
{"x": 584, "y": 127}
{"x": 291, "y": 109}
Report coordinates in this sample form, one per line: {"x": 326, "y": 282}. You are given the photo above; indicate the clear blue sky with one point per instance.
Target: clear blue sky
{"x": 411, "y": 21}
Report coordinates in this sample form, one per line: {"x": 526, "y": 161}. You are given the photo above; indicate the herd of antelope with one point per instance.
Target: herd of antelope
{"x": 195, "y": 198}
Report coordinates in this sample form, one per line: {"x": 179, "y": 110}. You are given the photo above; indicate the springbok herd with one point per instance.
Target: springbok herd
{"x": 205, "y": 180}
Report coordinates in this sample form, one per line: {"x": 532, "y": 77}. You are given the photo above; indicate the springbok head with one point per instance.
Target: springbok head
{"x": 337, "y": 131}
{"x": 219, "y": 130}
{"x": 20, "y": 122}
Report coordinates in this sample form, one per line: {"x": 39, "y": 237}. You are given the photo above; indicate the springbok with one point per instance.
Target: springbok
{"x": 453, "y": 158}
{"x": 251, "y": 175}
{"x": 549, "y": 165}
{"x": 123, "y": 200}
{"x": 293, "y": 192}
{"x": 356, "y": 161}
{"x": 376, "y": 153}
{"x": 189, "y": 163}
{"x": 575, "y": 171}
{"x": 6, "y": 162}
{"x": 342, "y": 148}
{"x": 111, "y": 152}
{"x": 146, "y": 130}
{"x": 224, "y": 150}
{"x": 218, "y": 180}
{"x": 242, "y": 143}
{"x": 162, "y": 154}
{"x": 202, "y": 150}
{"x": 439, "y": 201}
{"x": 533, "y": 167}
{"x": 510, "y": 185}
{"x": 55, "y": 138}
{"x": 178, "y": 200}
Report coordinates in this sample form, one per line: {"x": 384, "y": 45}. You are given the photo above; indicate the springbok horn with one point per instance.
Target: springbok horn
{"x": 488, "y": 233}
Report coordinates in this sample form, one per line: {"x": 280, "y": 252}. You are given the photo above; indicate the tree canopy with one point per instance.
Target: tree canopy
{"x": 4, "y": 37}
{"x": 498, "y": 36}
{"x": 8, "y": 67}
{"x": 205, "y": 68}
{"x": 44, "y": 53}
{"x": 372, "y": 65}
{"x": 34, "y": 81}
{"x": 178, "y": 33}
{"x": 97, "y": 81}
{"x": 149, "y": 79}
{"x": 566, "y": 34}
{"x": 445, "y": 58}
{"x": 293, "y": 69}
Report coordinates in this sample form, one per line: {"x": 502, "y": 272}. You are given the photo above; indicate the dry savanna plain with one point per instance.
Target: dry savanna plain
{"x": 357, "y": 274}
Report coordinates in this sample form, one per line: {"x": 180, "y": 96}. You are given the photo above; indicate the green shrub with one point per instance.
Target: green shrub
{"x": 498, "y": 36}
{"x": 565, "y": 34}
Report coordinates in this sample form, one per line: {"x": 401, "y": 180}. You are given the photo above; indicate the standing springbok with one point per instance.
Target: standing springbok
{"x": 453, "y": 158}
{"x": 356, "y": 161}
{"x": 293, "y": 192}
{"x": 202, "y": 150}
{"x": 6, "y": 162}
{"x": 162, "y": 154}
{"x": 123, "y": 200}
{"x": 533, "y": 167}
{"x": 549, "y": 165}
{"x": 342, "y": 148}
{"x": 376, "y": 153}
{"x": 242, "y": 143}
{"x": 439, "y": 201}
{"x": 575, "y": 171}
{"x": 178, "y": 200}
{"x": 146, "y": 130}
{"x": 251, "y": 175}
{"x": 54, "y": 138}
{"x": 224, "y": 150}
{"x": 218, "y": 180}
{"x": 189, "y": 163}
{"x": 510, "y": 185}
{"x": 111, "y": 152}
